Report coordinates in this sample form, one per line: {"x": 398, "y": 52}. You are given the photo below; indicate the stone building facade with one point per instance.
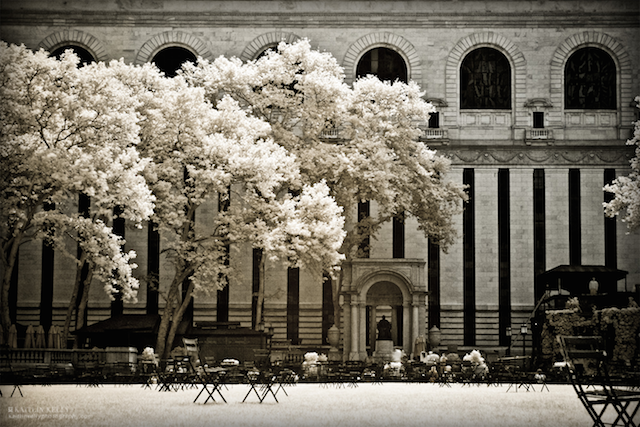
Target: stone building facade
{"x": 533, "y": 139}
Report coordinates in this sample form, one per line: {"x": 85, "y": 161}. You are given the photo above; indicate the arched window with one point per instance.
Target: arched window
{"x": 485, "y": 80}
{"x": 170, "y": 59}
{"x": 590, "y": 80}
{"x": 82, "y": 53}
{"x": 266, "y": 49}
{"x": 384, "y": 63}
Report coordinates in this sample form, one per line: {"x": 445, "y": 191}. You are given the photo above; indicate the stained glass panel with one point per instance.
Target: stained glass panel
{"x": 384, "y": 63}
{"x": 590, "y": 80}
{"x": 485, "y": 80}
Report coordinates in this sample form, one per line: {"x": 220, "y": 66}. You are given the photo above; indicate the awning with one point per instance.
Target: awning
{"x": 123, "y": 323}
{"x": 578, "y": 271}
{"x": 576, "y": 277}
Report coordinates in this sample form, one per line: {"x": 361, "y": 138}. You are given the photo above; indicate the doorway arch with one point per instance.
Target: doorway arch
{"x": 384, "y": 299}
{"x": 376, "y": 286}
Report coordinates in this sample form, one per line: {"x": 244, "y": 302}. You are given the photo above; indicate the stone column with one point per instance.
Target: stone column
{"x": 592, "y": 216}
{"x": 373, "y": 328}
{"x": 407, "y": 344}
{"x": 556, "y": 217}
{"x": 362, "y": 335}
{"x": 346, "y": 329}
{"x": 353, "y": 354}
{"x": 415, "y": 330}
{"x": 394, "y": 324}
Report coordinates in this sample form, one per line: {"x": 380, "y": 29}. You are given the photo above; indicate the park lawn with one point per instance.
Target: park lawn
{"x": 307, "y": 404}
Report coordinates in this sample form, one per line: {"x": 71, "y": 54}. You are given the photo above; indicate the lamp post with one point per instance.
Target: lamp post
{"x": 524, "y": 332}
{"x": 508, "y": 333}
{"x": 270, "y": 333}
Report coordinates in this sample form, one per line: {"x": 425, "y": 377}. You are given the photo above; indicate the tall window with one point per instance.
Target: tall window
{"x": 590, "y": 80}
{"x": 293, "y": 305}
{"x": 610, "y": 238}
{"x": 384, "y": 63}
{"x": 170, "y": 59}
{"x": 327, "y": 306}
{"x": 469, "y": 260}
{"x": 485, "y": 80}
{"x": 504, "y": 255}
{"x": 575, "y": 232}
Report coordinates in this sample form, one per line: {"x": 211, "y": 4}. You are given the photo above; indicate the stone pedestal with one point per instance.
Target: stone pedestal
{"x": 384, "y": 349}
{"x": 333, "y": 336}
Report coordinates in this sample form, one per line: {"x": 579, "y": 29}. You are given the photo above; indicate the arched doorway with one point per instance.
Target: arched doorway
{"x": 384, "y": 299}
{"x": 395, "y": 288}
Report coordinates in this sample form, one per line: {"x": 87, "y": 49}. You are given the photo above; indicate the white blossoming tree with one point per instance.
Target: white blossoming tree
{"x": 65, "y": 132}
{"x": 201, "y": 151}
{"x": 361, "y": 140}
{"x": 626, "y": 189}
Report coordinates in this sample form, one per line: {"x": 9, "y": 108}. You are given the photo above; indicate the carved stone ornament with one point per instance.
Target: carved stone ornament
{"x": 539, "y": 156}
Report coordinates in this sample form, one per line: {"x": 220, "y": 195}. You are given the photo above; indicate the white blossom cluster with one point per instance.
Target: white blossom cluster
{"x": 626, "y": 189}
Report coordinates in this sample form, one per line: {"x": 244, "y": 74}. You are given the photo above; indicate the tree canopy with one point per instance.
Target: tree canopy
{"x": 362, "y": 140}
{"x": 65, "y": 132}
{"x": 282, "y": 144}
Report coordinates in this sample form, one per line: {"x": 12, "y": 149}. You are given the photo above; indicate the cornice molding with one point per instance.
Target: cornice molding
{"x": 316, "y": 19}
{"x": 544, "y": 156}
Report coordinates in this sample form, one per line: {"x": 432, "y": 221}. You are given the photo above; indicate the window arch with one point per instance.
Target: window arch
{"x": 385, "y": 63}
{"x": 85, "y": 56}
{"x": 266, "y": 49}
{"x": 170, "y": 59}
{"x": 485, "y": 80}
{"x": 590, "y": 80}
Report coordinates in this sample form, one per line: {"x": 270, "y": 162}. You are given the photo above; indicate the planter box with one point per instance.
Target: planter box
{"x": 120, "y": 355}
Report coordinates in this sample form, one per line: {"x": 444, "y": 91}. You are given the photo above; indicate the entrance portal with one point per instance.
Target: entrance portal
{"x": 373, "y": 288}
{"x": 384, "y": 299}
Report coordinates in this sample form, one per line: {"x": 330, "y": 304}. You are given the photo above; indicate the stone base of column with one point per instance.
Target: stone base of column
{"x": 334, "y": 354}
{"x": 354, "y": 356}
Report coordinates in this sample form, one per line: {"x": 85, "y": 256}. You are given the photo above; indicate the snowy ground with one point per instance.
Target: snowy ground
{"x": 388, "y": 404}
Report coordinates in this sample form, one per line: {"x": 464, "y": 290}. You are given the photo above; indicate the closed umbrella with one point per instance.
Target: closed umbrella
{"x": 40, "y": 341}
{"x": 30, "y": 337}
{"x": 54, "y": 337}
{"x": 419, "y": 346}
{"x": 12, "y": 339}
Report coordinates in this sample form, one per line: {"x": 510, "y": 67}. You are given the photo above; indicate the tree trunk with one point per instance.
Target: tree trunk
{"x": 177, "y": 318}
{"x": 8, "y": 260}
{"x": 165, "y": 319}
{"x": 84, "y": 301}
{"x": 74, "y": 297}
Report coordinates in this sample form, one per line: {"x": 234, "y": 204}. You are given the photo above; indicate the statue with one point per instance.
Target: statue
{"x": 593, "y": 286}
{"x": 384, "y": 329}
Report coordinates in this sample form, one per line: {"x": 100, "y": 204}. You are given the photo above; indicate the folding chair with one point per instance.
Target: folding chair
{"x": 7, "y": 374}
{"x": 212, "y": 383}
{"x": 191, "y": 347}
{"x": 261, "y": 383}
{"x": 587, "y": 371}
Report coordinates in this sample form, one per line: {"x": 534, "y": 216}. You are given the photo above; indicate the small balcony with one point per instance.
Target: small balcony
{"x": 537, "y": 136}
{"x": 330, "y": 133}
{"x": 435, "y": 135}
